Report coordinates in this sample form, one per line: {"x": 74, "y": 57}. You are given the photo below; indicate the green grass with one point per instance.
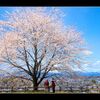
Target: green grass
{"x": 41, "y": 93}
{"x": 36, "y": 92}
{"x": 44, "y": 92}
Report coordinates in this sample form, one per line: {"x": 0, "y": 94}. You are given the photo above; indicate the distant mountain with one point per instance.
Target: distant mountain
{"x": 79, "y": 73}
{"x": 3, "y": 75}
{"x": 88, "y": 73}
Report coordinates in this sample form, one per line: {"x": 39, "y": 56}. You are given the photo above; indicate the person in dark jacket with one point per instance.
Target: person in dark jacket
{"x": 53, "y": 85}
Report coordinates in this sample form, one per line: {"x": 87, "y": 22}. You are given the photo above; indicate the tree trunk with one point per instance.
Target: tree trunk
{"x": 35, "y": 85}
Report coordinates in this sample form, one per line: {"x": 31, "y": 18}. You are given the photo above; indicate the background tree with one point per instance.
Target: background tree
{"x": 36, "y": 41}
{"x": 93, "y": 81}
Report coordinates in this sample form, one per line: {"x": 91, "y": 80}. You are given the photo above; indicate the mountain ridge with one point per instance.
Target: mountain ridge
{"x": 88, "y": 73}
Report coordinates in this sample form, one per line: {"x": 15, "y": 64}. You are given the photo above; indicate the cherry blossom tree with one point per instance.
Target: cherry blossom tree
{"x": 36, "y": 41}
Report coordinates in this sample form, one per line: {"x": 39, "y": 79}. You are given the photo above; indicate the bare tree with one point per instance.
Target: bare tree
{"x": 36, "y": 41}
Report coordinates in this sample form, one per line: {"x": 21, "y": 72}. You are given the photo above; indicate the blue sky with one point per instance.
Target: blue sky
{"x": 87, "y": 21}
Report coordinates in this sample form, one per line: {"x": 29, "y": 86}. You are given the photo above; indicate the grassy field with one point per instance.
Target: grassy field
{"x": 43, "y": 92}
{"x": 35, "y": 92}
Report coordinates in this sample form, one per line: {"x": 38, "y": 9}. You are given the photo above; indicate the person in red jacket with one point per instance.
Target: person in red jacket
{"x": 53, "y": 85}
{"x": 46, "y": 85}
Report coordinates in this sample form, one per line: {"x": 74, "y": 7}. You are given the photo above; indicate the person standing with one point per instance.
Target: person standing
{"x": 53, "y": 85}
{"x": 46, "y": 85}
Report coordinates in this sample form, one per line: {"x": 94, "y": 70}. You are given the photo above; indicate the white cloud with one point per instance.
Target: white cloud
{"x": 87, "y": 52}
{"x": 97, "y": 63}
{"x": 92, "y": 67}
{"x": 54, "y": 71}
{"x": 85, "y": 65}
